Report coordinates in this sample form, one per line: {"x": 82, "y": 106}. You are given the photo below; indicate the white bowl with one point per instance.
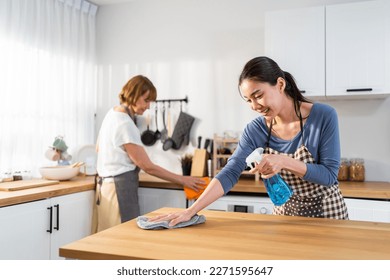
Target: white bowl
{"x": 59, "y": 172}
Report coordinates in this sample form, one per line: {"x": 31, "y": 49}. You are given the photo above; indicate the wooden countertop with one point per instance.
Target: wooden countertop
{"x": 371, "y": 190}
{"x": 367, "y": 190}
{"x": 77, "y": 184}
{"x": 231, "y": 235}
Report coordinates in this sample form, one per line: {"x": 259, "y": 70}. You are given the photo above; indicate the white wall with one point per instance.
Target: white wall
{"x": 197, "y": 48}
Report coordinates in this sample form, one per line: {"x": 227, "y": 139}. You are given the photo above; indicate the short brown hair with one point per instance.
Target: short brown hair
{"x": 135, "y": 88}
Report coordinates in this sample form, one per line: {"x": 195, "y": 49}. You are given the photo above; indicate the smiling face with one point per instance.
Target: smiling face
{"x": 263, "y": 97}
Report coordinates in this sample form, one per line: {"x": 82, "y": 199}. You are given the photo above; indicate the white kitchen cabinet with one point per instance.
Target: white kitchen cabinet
{"x": 151, "y": 199}
{"x": 295, "y": 39}
{"x": 36, "y": 230}
{"x": 75, "y": 219}
{"x": 335, "y": 50}
{"x": 368, "y": 210}
{"x": 23, "y": 231}
{"x": 357, "y": 48}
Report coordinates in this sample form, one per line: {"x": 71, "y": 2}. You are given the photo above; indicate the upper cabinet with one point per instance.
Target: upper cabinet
{"x": 333, "y": 51}
{"x": 358, "y": 48}
{"x": 295, "y": 39}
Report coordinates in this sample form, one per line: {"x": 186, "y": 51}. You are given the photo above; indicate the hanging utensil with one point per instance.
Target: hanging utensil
{"x": 168, "y": 143}
{"x": 157, "y": 133}
{"x": 164, "y": 132}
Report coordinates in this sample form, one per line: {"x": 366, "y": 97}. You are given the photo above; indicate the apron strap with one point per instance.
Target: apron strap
{"x": 98, "y": 187}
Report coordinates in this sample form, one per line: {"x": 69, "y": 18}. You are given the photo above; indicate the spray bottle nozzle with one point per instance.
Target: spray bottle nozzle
{"x": 254, "y": 157}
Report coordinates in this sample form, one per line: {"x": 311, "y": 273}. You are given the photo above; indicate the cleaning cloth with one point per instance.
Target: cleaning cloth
{"x": 142, "y": 222}
{"x": 191, "y": 194}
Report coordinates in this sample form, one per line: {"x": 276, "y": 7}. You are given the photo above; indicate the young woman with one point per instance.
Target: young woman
{"x": 121, "y": 155}
{"x": 300, "y": 141}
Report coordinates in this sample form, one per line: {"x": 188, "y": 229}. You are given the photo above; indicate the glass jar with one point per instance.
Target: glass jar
{"x": 17, "y": 175}
{"x": 357, "y": 170}
{"x": 26, "y": 175}
{"x": 344, "y": 170}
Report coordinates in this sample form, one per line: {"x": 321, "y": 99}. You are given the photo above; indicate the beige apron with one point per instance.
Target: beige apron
{"x": 116, "y": 200}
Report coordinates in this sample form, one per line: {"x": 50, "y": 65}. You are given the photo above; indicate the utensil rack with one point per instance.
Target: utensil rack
{"x": 172, "y": 100}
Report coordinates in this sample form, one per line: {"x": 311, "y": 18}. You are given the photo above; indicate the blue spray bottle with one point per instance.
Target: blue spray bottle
{"x": 278, "y": 190}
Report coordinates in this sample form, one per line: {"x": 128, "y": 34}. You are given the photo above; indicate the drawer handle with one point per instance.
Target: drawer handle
{"x": 58, "y": 217}
{"x": 358, "y": 89}
{"x": 50, "y": 230}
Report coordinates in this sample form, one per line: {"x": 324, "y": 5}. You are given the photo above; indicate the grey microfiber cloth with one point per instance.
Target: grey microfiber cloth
{"x": 142, "y": 222}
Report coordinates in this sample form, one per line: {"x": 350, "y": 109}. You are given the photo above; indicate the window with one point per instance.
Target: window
{"x": 47, "y": 79}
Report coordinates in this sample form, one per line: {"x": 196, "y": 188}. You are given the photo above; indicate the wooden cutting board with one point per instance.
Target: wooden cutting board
{"x": 26, "y": 184}
{"x": 199, "y": 163}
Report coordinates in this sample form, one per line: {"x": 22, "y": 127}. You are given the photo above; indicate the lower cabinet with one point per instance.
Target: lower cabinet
{"x": 151, "y": 199}
{"x": 368, "y": 210}
{"x": 358, "y": 209}
{"x": 36, "y": 230}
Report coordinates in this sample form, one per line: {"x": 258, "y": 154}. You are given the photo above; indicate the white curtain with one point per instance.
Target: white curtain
{"x": 47, "y": 79}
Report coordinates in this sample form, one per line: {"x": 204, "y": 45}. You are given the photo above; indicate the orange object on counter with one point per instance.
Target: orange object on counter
{"x": 191, "y": 194}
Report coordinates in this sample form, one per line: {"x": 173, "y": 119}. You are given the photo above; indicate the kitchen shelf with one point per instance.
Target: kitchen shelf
{"x": 223, "y": 149}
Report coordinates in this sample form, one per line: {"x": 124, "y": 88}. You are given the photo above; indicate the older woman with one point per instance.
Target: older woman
{"x": 121, "y": 155}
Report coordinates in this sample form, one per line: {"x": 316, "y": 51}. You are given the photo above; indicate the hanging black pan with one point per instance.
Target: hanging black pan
{"x": 147, "y": 136}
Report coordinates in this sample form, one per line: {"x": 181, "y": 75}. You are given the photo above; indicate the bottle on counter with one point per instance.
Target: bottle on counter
{"x": 357, "y": 170}
{"x": 344, "y": 170}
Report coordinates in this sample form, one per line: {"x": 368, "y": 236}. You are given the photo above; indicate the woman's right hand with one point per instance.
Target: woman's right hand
{"x": 173, "y": 218}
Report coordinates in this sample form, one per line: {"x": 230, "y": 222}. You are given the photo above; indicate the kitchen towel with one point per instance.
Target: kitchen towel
{"x": 182, "y": 131}
{"x": 142, "y": 222}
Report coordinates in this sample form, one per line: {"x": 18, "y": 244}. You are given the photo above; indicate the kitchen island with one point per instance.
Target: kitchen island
{"x": 240, "y": 236}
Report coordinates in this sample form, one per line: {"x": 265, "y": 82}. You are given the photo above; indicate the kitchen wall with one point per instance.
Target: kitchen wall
{"x": 197, "y": 48}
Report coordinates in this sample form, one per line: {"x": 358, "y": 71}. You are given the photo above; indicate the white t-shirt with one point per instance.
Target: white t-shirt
{"x": 117, "y": 129}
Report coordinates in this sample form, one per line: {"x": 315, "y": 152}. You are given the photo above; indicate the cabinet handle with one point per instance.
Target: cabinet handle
{"x": 58, "y": 216}
{"x": 50, "y": 230}
{"x": 303, "y": 91}
{"x": 358, "y": 89}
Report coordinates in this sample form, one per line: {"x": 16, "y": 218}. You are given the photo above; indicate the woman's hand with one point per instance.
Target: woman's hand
{"x": 270, "y": 165}
{"x": 174, "y": 218}
{"x": 194, "y": 183}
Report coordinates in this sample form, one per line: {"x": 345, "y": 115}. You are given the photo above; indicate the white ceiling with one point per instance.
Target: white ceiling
{"x": 108, "y": 2}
